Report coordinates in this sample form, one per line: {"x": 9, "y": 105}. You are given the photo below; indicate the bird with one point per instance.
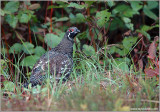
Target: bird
{"x": 57, "y": 62}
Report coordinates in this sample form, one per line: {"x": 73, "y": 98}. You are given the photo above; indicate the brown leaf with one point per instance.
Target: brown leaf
{"x": 152, "y": 51}
{"x": 7, "y": 36}
{"x": 34, "y": 6}
{"x": 150, "y": 72}
{"x": 140, "y": 62}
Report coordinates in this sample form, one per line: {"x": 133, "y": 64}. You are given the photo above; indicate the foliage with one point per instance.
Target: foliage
{"x": 116, "y": 55}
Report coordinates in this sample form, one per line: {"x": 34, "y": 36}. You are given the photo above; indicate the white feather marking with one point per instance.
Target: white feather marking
{"x": 69, "y": 37}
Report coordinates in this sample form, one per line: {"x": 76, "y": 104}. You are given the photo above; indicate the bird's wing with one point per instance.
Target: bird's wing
{"x": 54, "y": 64}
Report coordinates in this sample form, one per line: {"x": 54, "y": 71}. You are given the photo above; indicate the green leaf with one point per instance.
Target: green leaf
{"x": 12, "y": 6}
{"x": 16, "y": 48}
{"x": 129, "y": 26}
{"x": 102, "y": 17}
{"x": 82, "y": 35}
{"x": 124, "y": 10}
{"x": 61, "y": 5}
{"x": 149, "y": 13}
{"x": 136, "y": 5}
{"x": 8, "y": 85}
{"x": 111, "y": 3}
{"x": 89, "y": 3}
{"x": 62, "y": 19}
{"x": 24, "y": 18}
{"x": 39, "y": 51}
{"x": 152, "y": 4}
{"x": 52, "y": 40}
{"x": 28, "y": 48}
{"x": 122, "y": 52}
{"x": 80, "y": 18}
{"x": 2, "y": 12}
{"x": 88, "y": 50}
{"x": 147, "y": 28}
{"x": 29, "y": 61}
{"x": 129, "y": 42}
{"x": 126, "y": 20}
{"x": 144, "y": 33}
{"x": 115, "y": 24}
{"x": 11, "y": 20}
{"x": 112, "y": 49}
{"x": 121, "y": 65}
{"x": 77, "y": 6}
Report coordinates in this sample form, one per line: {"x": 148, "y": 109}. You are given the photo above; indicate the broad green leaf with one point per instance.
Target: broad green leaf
{"x": 24, "y": 18}
{"x": 149, "y": 13}
{"x": 111, "y": 3}
{"x": 152, "y": 4}
{"x": 29, "y": 61}
{"x": 82, "y": 35}
{"x": 125, "y": 59}
{"x": 129, "y": 42}
{"x": 122, "y": 52}
{"x": 28, "y": 48}
{"x": 122, "y": 64}
{"x": 136, "y": 5}
{"x": 62, "y": 19}
{"x": 60, "y": 5}
{"x": 12, "y": 6}
{"x": 52, "y": 40}
{"x": 39, "y": 51}
{"x": 124, "y": 10}
{"x": 11, "y": 20}
{"x": 102, "y": 17}
{"x": 89, "y": 3}
{"x": 147, "y": 28}
{"x": 2, "y": 12}
{"x": 112, "y": 49}
{"x": 59, "y": 33}
{"x": 88, "y": 50}
{"x": 80, "y": 18}
{"x": 126, "y": 20}
{"x": 115, "y": 24}
{"x": 72, "y": 18}
{"x": 77, "y": 6}
{"x": 129, "y": 26}
{"x": 16, "y": 48}
{"x": 144, "y": 33}
{"x": 8, "y": 86}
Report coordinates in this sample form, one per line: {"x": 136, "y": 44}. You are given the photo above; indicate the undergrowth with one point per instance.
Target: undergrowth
{"x": 92, "y": 85}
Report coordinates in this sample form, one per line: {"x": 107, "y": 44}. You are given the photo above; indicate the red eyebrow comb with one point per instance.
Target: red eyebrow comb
{"x": 71, "y": 30}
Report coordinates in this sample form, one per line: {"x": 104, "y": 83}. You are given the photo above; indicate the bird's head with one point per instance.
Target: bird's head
{"x": 72, "y": 32}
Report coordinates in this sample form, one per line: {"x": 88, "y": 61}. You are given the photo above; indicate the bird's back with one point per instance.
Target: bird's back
{"x": 52, "y": 64}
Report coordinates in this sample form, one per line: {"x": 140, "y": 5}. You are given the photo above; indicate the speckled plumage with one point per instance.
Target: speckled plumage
{"x": 57, "y": 62}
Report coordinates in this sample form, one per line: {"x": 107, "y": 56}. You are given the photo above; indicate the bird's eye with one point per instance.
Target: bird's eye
{"x": 71, "y": 30}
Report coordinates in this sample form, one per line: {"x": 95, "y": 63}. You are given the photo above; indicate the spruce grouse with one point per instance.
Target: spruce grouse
{"x": 57, "y": 62}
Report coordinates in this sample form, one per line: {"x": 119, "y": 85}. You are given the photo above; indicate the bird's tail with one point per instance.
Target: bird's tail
{"x": 25, "y": 85}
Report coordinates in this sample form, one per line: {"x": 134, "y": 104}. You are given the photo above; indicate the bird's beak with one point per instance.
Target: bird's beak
{"x": 78, "y": 31}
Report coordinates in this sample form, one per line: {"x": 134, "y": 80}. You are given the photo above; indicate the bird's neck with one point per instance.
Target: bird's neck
{"x": 65, "y": 47}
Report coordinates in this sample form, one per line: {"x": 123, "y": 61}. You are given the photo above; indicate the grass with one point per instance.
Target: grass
{"x": 98, "y": 85}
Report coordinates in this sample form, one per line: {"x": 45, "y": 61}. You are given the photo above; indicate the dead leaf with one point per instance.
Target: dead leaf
{"x": 152, "y": 51}
{"x": 34, "y": 6}
{"x": 150, "y": 72}
{"x": 140, "y": 62}
{"x": 7, "y": 36}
